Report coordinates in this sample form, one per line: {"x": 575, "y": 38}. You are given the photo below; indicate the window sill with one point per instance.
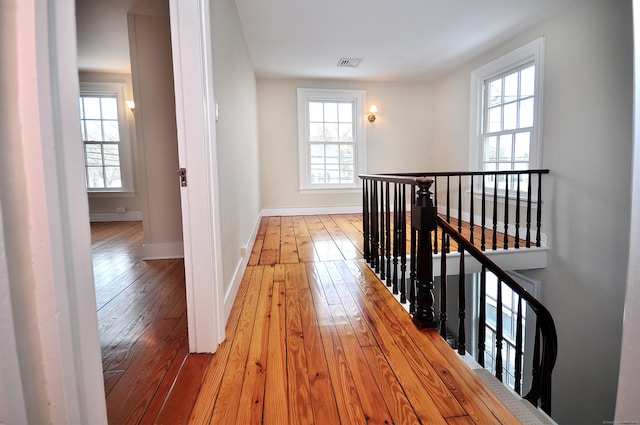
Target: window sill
{"x": 119, "y": 194}
{"x": 329, "y": 190}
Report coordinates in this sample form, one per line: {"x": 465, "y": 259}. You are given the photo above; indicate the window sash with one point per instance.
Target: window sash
{"x": 331, "y": 138}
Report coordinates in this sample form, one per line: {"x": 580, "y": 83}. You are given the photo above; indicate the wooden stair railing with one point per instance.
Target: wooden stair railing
{"x": 385, "y": 248}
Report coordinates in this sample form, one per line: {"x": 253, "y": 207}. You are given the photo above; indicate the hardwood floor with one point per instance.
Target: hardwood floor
{"x": 313, "y": 337}
{"x": 142, "y": 324}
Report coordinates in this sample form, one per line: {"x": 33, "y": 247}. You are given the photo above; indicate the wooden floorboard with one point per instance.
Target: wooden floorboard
{"x": 313, "y": 337}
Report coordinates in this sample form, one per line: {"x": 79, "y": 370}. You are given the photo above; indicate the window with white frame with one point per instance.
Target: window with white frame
{"x": 506, "y": 99}
{"x": 331, "y": 138}
{"x": 105, "y": 136}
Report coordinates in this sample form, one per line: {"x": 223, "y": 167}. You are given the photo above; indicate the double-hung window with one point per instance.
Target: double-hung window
{"x": 506, "y": 99}
{"x": 105, "y": 136}
{"x": 331, "y": 139}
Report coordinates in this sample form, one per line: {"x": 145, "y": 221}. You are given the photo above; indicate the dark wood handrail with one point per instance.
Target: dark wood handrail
{"x": 385, "y": 241}
{"x": 546, "y": 338}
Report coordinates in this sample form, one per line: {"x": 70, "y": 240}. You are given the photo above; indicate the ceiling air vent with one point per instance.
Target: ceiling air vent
{"x": 349, "y": 62}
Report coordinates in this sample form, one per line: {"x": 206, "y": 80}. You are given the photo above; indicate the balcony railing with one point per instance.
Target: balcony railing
{"x": 400, "y": 243}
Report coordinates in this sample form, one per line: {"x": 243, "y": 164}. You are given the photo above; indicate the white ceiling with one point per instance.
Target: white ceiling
{"x": 398, "y": 40}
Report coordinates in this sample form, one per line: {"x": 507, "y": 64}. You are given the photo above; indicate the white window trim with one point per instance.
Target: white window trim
{"x": 530, "y": 51}
{"x": 304, "y": 96}
{"x": 126, "y": 160}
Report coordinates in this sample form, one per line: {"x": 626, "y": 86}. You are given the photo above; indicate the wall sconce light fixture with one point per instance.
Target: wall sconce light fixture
{"x": 372, "y": 113}
{"x": 131, "y": 105}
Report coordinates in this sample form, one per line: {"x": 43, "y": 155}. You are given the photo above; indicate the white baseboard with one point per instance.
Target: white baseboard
{"x": 95, "y": 217}
{"x": 347, "y": 209}
{"x": 162, "y": 251}
{"x": 232, "y": 291}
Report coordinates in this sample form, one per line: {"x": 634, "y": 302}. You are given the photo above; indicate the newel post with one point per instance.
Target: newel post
{"x": 424, "y": 220}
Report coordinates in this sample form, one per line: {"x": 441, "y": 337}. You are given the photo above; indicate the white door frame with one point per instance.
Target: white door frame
{"x": 58, "y": 209}
{"x": 195, "y": 119}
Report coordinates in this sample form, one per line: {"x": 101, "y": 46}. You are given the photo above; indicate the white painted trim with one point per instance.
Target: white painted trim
{"x": 125, "y": 146}
{"x": 532, "y": 50}
{"x": 195, "y": 120}
{"x": 304, "y": 95}
{"x": 162, "y": 251}
{"x": 13, "y": 409}
{"x": 232, "y": 291}
{"x": 272, "y": 212}
{"x": 96, "y": 217}
{"x": 58, "y": 214}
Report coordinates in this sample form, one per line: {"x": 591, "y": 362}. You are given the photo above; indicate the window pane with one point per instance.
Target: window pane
{"x": 93, "y": 131}
{"x": 510, "y": 116}
{"x": 495, "y": 119}
{"x": 315, "y": 111}
{"x": 331, "y": 153}
{"x": 111, "y": 131}
{"x": 345, "y": 112}
{"x": 316, "y": 132}
{"x": 330, "y": 112}
{"x": 95, "y": 179}
{"x": 527, "y": 81}
{"x": 490, "y": 148}
{"x": 505, "y": 147}
{"x": 331, "y": 132}
{"x": 511, "y": 87}
{"x": 521, "y": 152}
{"x": 495, "y": 92}
{"x": 526, "y": 113}
{"x": 93, "y": 154}
{"x": 81, "y": 107}
{"x": 109, "y": 108}
{"x": 113, "y": 177}
{"x": 111, "y": 155}
{"x": 346, "y": 132}
{"x": 346, "y": 152}
{"x": 92, "y": 107}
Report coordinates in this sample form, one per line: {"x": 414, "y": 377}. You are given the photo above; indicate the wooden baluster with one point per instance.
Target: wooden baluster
{"x": 375, "y": 230}
{"x": 482, "y": 316}
{"x": 412, "y": 261}
{"x": 518, "y": 213}
{"x": 382, "y": 231}
{"x": 506, "y": 212}
{"x": 443, "y": 291}
{"x": 365, "y": 220}
{"x": 462, "y": 340}
{"x": 539, "y": 222}
{"x": 388, "y": 228}
{"x": 403, "y": 245}
{"x": 494, "y": 240}
{"x": 483, "y": 214}
{"x": 424, "y": 219}
{"x": 528, "y": 243}
{"x": 448, "y": 200}
{"x": 499, "y": 336}
{"x": 396, "y": 238}
{"x": 459, "y": 204}
{"x": 435, "y": 234}
{"x": 447, "y": 247}
{"x": 471, "y": 212}
{"x": 519, "y": 347}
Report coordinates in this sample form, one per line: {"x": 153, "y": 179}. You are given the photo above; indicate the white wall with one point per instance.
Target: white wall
{"x": 236, "y": 139}
{"x": 152, "y": 72}
{"x": 399, "y": 141}
{"x": 627, "y": 406}
{"x": 587, "y": 126}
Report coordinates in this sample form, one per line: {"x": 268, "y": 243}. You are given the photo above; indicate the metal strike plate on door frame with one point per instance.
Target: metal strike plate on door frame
{"x": 182, "y": 173}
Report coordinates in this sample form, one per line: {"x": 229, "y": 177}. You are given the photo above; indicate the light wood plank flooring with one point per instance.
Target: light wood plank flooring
{"x": 313, "y": 337}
